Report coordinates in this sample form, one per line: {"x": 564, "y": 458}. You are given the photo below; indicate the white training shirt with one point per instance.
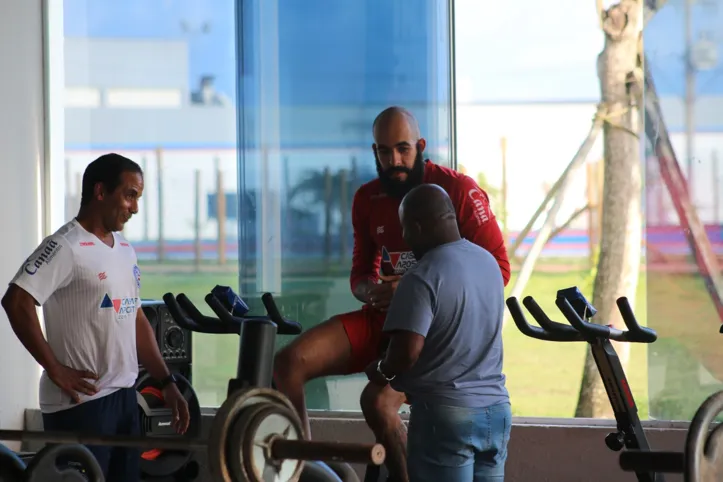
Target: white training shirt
{"x": 89, "y": 292}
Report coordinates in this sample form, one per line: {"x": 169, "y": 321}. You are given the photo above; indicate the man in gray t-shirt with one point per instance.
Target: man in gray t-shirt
{"x": 445, "y": 353}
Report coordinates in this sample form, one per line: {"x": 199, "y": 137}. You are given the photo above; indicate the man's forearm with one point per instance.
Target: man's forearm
{"x": 148, "y": 353}
{"x": 402, "y": 354}
{"x": 394, "y": 365}
{"x": 26, "y": 325}
{"x": 397, "y": 362}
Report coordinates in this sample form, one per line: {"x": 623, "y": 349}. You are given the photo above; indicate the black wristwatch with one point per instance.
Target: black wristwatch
{"x": 167, "y": 381}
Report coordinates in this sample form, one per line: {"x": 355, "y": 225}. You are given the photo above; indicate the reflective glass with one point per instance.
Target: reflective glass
{"x": 683, "y": 215}
{"x": 156, "y": 81}
{"x": 527, "y": 90}
{"x": 313, "y": 76}
{"x": 171, "y": 85}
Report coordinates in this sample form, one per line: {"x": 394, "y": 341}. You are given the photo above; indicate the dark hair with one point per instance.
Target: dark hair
{"x": 107, "y": 170}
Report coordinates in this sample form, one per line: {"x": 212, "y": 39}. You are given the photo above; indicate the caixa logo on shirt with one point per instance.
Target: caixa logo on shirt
{"x": 124, "y": 307}
{"x": 43, "y": 256}
{"x": 400, "y": 261}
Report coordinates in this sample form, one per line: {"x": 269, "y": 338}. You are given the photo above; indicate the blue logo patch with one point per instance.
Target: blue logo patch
{"x": 137, "y": 274}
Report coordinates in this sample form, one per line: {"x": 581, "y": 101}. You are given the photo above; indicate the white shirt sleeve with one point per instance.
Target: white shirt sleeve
{"x": 47, "y": 270}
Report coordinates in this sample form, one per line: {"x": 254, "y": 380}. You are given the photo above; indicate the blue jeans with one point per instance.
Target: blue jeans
{"x": 455, "y": 444}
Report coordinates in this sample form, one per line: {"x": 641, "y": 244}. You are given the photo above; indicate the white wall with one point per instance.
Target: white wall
{"x": 22, "y": 157}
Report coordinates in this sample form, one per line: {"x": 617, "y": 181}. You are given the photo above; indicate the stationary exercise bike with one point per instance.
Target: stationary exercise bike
{"x": 578, "y": 310}
{"x": 255, "y": 360}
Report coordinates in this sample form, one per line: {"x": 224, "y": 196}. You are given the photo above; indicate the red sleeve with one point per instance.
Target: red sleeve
{"x": 365, "y": 259}
{"x": 478, "y": 224}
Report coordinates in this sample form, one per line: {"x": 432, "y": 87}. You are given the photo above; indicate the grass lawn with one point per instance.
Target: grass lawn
{"x": 543, "y": 377}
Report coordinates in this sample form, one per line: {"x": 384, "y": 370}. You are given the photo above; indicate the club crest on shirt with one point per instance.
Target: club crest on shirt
{"x": 137, "y": 275}
{"x": 400, "y": 261}
{"x": 124, "y": 307}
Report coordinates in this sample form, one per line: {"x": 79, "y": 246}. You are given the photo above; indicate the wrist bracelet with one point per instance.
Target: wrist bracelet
{"x": 379, "y": 370}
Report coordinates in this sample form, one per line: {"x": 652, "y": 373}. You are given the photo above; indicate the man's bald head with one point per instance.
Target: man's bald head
{"x": 428, "y": 203}
{"x": 391, "y": 116}
{"x": 398, "y": 148}
{"x": 428, "y": 218}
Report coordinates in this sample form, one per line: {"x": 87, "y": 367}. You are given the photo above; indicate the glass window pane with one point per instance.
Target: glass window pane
{"x": 526, "y": 97}
{"x": 156, "y": 82}
{"x": 683, "y": 213}
{"x": 314, "y": 75}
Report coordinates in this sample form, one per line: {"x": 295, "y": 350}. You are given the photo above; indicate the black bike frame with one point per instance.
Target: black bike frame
{"x": 621, "y": 399}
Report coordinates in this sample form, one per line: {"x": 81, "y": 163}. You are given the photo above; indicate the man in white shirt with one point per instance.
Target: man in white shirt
{"x": 86, "y": 278}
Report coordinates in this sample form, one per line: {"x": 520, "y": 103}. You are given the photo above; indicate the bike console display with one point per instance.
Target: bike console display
{"x": 174, "y": 342}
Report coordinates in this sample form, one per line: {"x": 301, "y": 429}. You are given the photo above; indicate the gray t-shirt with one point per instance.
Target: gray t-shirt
{"x": 454, "y": 297}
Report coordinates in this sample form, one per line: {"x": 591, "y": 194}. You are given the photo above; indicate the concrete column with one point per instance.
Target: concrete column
{"x": 22, "y": 168}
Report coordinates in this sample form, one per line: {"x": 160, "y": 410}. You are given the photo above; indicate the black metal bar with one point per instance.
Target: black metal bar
{"x": 166, "y": 443}
{"x": 623, "y": 403}
{"x": 280, "y": 448}
{"x": 343, "y": 452}
{"x": 256, "y": 354}
{"x": 668, "y": 462}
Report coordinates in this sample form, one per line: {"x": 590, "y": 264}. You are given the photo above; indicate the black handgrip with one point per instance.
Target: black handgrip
{"x": 519, "y": 318}
{"x": 284, "y": 326}
{"x": 194, "y": 312}
{"x": 534, "y": 331}
{"x": 588, "y": 330}
{"x": 184, "y": 321}
{"x": 547, "y": 324}
{"x": 636, "y": 333}
{"x": 227, "y": 319}
{"x": 206, "y": 324}
{"x": 232, "y": 322}
{"x": 594, "y": 330}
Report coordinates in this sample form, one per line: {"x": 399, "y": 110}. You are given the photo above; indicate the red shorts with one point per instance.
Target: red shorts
{"x": 364, "y": 329}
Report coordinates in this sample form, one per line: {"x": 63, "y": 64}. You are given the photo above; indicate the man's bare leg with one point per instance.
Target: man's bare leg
{"x": 322, "y": 351}
{"x": 380, "y": 406}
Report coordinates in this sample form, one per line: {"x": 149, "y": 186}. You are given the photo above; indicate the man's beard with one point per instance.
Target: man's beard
{"x": 396, "y": 187}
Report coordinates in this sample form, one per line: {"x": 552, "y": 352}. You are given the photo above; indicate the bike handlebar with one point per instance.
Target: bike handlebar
{"x": 634, "y": 334}
{"x": 206, "y": 325}
{"x": 548, "y": 330}
{"x": 283, "y": 326}
{"x": 579, "y": 328}
{"x": 226, "y": 323}
{"x": 639, "y": 332}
